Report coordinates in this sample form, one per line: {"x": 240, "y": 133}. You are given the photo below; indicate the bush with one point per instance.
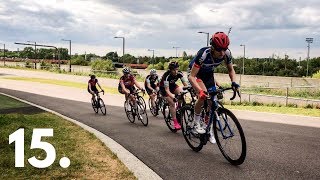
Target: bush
{"x": 79, "y": 60}
{"x": 316, "y": 75}
{"x": 28, "y": 64}
{"x": 102, "y": 65}
{"x": 45, "y": 66}
{"x": 158, "y": 66}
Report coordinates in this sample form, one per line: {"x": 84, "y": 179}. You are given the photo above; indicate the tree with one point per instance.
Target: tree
{"x": 113, "y": 56}
{"x": 184, "y": 55}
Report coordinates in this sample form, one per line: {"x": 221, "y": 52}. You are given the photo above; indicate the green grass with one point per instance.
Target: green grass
{"x": 62, "y": 83}
{"x": 310, "y": 93}
{"x": 277, "y": 109}
{"x": 110, "y": 90}
{"x": 7, "y": 103}
{"x": 89, "y": 158}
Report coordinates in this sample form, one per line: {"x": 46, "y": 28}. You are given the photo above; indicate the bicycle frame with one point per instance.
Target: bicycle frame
{"x": 214, "y": 116}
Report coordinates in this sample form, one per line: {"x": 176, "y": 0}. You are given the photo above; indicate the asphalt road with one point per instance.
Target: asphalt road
{"x": 275, "y": 151}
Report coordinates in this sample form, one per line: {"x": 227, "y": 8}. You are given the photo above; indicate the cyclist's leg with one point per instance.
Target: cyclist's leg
{"x": 153, "y": 96}
{"x": 174, "y": 89}
{"x": 197, "y": 109}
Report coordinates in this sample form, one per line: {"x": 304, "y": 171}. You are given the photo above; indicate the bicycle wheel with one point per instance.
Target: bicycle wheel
{"x": 160, "y": 103}
{"x": 102, "y": 106}
{"x": 192, "y": 139}
{"x": 152, "y": 109}
{"x": 129, "y": 111}
{"x": 167, "y": 117}
{"x": 140, "y": 98}
{"x": 142, "y": 112}
{"x": 94, "y": 105}
{"x": 230, "y": 137}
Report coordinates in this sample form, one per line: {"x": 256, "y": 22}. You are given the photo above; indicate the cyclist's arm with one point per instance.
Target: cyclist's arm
{"x": 122, "y": 84}
{"x": 99, "y": 86}
{"x": 192, "y": 77}
{"x": 184, "y": 81}
{"x": 89, "y": 85}
{"x": 148, "y": 84}
{"x": 232, "y": 73}
{"x": 137, "y": 84}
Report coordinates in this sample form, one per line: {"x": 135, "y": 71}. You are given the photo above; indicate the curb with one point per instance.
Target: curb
{"x": 139, "y": 169}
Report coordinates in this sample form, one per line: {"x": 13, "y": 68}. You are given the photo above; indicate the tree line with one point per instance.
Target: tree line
{"x": 272, "y": 66}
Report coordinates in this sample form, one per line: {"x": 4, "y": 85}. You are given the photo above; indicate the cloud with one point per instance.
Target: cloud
{"x": 161, "y": 24}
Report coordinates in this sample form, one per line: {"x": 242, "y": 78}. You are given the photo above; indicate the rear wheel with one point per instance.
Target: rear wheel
{"x": 192, "y": 138}
{"x": 230, "y": 137}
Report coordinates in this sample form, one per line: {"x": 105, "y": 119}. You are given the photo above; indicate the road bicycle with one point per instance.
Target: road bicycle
{"x": 182, "y": 100}
{"x": 159, "y": 102}
{"x": 97, "y": 103}
{"x": 226, "y": 128}
{"x": 136, "y": 109}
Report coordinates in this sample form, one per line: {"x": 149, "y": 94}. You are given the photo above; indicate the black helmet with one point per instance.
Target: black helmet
{"x": 173, "y": 65}
{"x": 92, "y": 76}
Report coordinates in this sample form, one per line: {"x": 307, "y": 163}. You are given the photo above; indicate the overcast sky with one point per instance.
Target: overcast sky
{"x": 264, "y": 26}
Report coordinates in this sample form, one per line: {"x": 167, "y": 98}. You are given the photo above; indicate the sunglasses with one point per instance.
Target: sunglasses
{"x": 219, "y": 49}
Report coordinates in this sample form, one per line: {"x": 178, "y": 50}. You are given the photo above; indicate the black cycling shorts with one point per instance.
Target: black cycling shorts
{"x": 172, "y": 88}
{"x": 150, "y": 91}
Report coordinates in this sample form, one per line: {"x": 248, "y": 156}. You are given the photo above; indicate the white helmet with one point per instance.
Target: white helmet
{"x": 126, "y": 70}
{"x": 153, "y": 72}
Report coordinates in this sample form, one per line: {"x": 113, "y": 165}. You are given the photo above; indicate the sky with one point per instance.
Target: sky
{"x": 265, "y": 27}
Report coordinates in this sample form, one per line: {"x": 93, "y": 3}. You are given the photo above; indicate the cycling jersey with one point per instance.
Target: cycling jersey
{"x": 153, "y": 81}
{"x": 206, "y": 64}
{"x": 127, "y": 81}
{"x": 169, "y": 80}
{"x": 93, "y": 83}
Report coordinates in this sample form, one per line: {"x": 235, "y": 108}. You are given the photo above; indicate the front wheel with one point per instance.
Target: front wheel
{"x": 102, "y": 106}
{"x": 230, "y": 137}
{"x": 129, "y": 111}
{"x": 167, "y": 117}
{"x": 153, "y": 110}
{"x": 142, "y": 112}
{"x": 94, "y": 105}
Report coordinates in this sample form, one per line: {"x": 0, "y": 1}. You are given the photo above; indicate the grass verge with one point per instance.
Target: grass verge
{"x": 90, "y": 159}
{"x": 260, "y": 108}
{"x": 7, "y": 103}
{"x": 281, "y": 110}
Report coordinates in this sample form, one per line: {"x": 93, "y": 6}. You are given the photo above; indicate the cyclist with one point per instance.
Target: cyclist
{"x": 202, "y": 73}
{"x": 168, "y": 88}
{"x": 127, "y": 84}
{"x": 92, "y": 88}
{"x": 151, "y": 84}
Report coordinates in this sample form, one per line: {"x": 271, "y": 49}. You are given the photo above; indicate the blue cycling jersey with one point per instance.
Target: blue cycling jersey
{"x": 206, "y": 63}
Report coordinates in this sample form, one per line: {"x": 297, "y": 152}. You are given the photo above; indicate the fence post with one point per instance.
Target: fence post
{"x": 287, "y": 94}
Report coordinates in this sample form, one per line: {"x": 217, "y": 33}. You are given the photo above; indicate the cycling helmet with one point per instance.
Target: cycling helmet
{"x": 173, "y": 65}
{"x": 153, "y": 72}
{"x": 92, "y": 76}
{"x": 126, "y": 70}
{"x": 220, "y": 41}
